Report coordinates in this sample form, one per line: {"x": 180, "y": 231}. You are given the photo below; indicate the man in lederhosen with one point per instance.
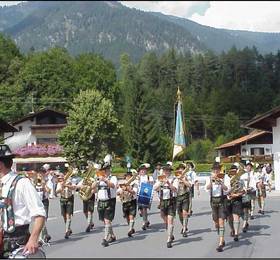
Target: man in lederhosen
{"x": 66, "y": 190}
{"x": 248, "y": 199}
{"x": 191, "y": 175}
{"x": 43, "y": 191}
{"x": 20, "y": 204}
{"x": 144, "y": 178}
{"x": 128, "y": 196}
{"x": 106, "y": 197}
{"x": 183, "y": 198}
{"x": 168, "y": 188}
{"x": 217, "y": 187}
{"x": 234, "y": 205}
{"x": 262, "y": 182}
{"x": 88, "y": 205}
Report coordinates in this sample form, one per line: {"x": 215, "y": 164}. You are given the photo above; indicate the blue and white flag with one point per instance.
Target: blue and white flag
{"x": 179, "y": 138}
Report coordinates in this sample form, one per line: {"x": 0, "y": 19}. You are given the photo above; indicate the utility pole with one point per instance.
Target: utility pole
{"x": 32, "y": 103}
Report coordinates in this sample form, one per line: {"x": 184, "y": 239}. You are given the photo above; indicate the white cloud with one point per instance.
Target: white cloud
{"x": 262, "y": 16}
{"x": 8, "y": 3}
{"x": 177, "y": 8}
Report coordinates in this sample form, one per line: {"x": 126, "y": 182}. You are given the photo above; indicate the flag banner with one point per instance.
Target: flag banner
{"x": 179, "y": 138}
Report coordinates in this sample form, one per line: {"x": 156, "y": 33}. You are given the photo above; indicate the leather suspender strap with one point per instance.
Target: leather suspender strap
{"x": 9, "y": 210}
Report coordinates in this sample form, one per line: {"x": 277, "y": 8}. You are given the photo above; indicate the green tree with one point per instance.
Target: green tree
{"x": 8, "y": 52}
{"x": 231, "y": 126}
{"x": 92, "y": 128}
{"x": 93, "y": 71}
{"x": 49, "y": 76}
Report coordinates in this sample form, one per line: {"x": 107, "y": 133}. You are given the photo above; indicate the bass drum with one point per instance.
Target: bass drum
{"x": 18, "y": 253}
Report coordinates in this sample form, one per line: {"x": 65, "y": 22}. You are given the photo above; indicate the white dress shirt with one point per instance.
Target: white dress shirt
{"x": 66, "y": 192}
{"x": 145, "y": 179}
{"x": 166, "y": 191}
{"x": 191, "y": 176}
{"x": 26, "y": 201}
{"x": 102, "y": 194}
{"x": 249, "y": 182}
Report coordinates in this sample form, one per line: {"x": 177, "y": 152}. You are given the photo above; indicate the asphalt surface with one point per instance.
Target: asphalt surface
{"x": 260, "y": 241}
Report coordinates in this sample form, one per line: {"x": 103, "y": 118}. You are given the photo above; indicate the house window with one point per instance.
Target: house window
{"x": 257, "y": 151}
{"x": 244, "y": 150}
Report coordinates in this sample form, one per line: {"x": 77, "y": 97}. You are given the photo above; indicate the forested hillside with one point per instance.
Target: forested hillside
{"x": 220, "y": 92}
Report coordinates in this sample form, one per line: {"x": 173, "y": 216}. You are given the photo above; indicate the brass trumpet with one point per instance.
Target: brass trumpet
{"x": 162, "y": 178}
{"x": 99, "y": 174}
{"x": 219, "y": 179}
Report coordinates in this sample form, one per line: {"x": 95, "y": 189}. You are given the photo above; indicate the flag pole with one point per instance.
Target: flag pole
{"x": 179, "y": 133}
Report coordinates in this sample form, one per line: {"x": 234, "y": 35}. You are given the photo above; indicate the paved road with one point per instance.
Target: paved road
{"x": 260, "y": 241}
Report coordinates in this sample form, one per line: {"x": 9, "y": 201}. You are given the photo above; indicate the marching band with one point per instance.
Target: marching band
{"x": 232, "y": 197}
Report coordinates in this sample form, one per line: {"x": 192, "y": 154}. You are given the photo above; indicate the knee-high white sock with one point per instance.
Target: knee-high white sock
{"x": 170, "y": 229}
{"x": 68, "y": 224}
{"x": 107, "y": 231}
{"x": 252, "y": 207}
{"x": 236, "y": 225}
{"x": 89, "y": 218}
{"x": 131, "y": 224}
{"x": 221, "y": 232}
{"x": 185, "y": 223}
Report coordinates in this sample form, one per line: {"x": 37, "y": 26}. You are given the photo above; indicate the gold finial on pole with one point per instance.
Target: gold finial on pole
{"x": 179, "y": 95}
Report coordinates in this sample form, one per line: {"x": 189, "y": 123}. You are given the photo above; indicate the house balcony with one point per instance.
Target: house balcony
{"x": 46, "y": 130}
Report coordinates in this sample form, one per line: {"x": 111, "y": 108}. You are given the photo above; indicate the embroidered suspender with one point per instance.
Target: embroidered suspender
{"x": 9, "y": 206}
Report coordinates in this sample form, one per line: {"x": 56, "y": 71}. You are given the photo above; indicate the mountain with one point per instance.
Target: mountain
{"x": 219, "y": 40}
{"x": 109, "y": 28}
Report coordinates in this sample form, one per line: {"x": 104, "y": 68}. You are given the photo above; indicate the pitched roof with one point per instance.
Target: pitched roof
{"x": 32, "y": 115}
{"x": 240, "y": 140}
{"x": 264, "y": 121}
{"x": 6, "y": 128}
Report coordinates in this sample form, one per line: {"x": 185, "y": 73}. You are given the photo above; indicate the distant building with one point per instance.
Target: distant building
{"x": 257, "y": 144}
{"x": 36, "y": 141}
{"x": 270, "y": 121}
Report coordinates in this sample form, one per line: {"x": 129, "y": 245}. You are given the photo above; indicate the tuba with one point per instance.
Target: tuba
{"x": 234, "y": 181}
{"x": 86, "y": 191}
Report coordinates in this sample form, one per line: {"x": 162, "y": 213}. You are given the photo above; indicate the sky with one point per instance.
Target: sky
{"x": 258, "y": 16}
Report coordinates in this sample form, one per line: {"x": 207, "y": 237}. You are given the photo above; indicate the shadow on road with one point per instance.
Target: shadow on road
{"x": 199, "y": 231}
{"x": 62, "y": 241}
{"x": 234, "y": 244}
{"x": 129, "y": 239}
{"x": 186, "y": 240}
